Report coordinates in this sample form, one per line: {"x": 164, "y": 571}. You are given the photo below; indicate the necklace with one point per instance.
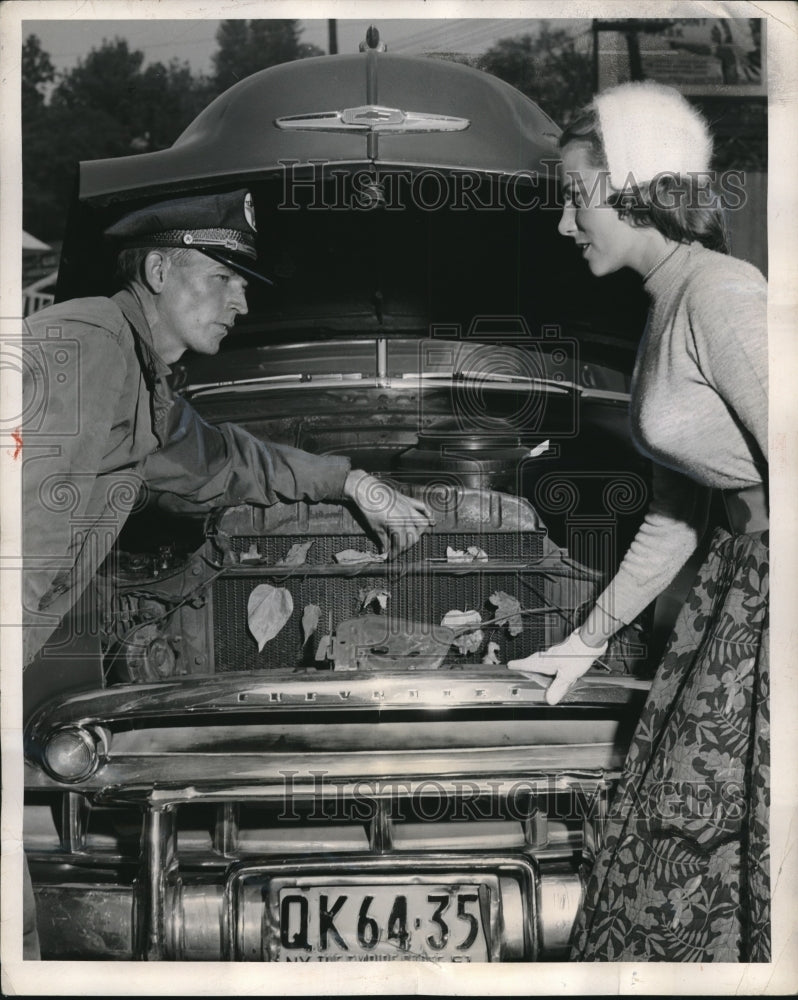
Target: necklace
{"x": 666, "y": 256}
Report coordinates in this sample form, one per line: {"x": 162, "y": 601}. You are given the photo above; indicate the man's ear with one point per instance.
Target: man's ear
{"x": 154, "y": 270}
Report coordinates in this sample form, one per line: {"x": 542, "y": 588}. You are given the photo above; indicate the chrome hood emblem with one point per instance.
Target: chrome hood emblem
{"x": 372, "y": 118}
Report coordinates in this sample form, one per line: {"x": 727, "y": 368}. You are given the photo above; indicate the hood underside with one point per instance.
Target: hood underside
{"x": 346, "y": 111}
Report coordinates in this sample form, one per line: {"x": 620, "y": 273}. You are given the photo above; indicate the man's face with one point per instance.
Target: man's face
{"x": 197, "y": 305}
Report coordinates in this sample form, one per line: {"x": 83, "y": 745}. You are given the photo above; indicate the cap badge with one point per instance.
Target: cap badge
{"x": 249, "y": 210}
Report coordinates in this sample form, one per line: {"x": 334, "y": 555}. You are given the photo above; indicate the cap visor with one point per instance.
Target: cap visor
{"x": 236, "y": 265}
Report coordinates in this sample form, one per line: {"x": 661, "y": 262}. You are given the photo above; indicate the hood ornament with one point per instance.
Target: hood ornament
{"x": 371, "y": 118}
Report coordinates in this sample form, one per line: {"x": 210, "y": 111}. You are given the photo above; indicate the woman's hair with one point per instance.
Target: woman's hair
{"x": 683, "y": 208}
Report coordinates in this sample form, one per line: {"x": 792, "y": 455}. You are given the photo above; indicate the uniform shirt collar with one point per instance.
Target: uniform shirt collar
{"x": 134, "y": 314}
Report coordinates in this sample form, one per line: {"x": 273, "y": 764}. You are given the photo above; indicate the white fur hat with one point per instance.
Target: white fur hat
{"x": 649, "y": 129}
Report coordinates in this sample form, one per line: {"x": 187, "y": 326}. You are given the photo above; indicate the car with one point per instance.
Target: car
{"x": 256, "y": 739}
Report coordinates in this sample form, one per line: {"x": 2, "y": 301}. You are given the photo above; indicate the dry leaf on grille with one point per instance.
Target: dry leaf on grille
{"x": 367, "y": 597}
{"x": 471, "y": 554}
{"x": 468, "y": 640}
{"x": 297, "y": 555}
{"x": 508, "y": 611}
{"x": 351, "y": 556}
{"x": 268, "y": 609}
{"x": 492, "y": 655}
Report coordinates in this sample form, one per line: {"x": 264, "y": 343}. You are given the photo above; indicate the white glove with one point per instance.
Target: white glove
{"x": 566, "y": 661}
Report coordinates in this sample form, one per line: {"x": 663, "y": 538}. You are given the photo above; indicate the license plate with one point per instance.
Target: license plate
{"x": 389, "y": 922}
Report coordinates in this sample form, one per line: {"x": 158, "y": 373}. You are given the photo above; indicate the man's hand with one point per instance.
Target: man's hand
{"x": 566, "y": 662}
{"x": 397, "y": 520}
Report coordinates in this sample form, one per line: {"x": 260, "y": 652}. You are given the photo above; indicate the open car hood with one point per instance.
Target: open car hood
{"x": 346, "y": 111}
{"x": 393, "y": 193}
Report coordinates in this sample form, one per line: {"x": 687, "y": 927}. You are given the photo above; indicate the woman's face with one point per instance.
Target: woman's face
{"x": 608, "y": 242}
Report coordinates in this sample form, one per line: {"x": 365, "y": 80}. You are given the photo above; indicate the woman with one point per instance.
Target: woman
{"x": 683, "y": 874}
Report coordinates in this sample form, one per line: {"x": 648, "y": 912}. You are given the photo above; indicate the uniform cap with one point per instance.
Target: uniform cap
{"x": 219, "y": 225}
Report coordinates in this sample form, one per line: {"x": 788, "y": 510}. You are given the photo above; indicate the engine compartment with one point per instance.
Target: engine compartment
{"x": 488, "y": 554}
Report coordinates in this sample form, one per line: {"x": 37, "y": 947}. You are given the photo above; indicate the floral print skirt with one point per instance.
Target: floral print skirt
{"x": 683, "y": 874}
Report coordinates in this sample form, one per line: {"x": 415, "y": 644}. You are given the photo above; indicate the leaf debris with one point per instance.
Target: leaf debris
{"x": 492, "y": 654}
{"x": 369, "y": 597}
{"x": 469, "y": 639}
{"x": 353, "y": 556}
{"x": 508, "y": 610}
{"x": 268, "y": 609}
{"x": 471, "y": 554}
{"x": 297, "y": 555}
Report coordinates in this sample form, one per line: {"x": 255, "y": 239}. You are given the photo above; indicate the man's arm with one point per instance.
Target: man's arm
{"x": 202, "y": 467}
{"x": 213, "y": 466}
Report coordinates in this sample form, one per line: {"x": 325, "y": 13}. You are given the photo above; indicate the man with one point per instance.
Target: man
{"x": 100, "y": 421}
{"x": 108, "y": 421}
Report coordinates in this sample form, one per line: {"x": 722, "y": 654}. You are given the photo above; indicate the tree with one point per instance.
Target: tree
{"x": 245, "y": 47}
{"x": 108, "y": 105}
{"x": 39, "y": 200}
{"x": 142, "y": 109}
{"x": 546, "y": 67}
{"x": 37, "y": 73}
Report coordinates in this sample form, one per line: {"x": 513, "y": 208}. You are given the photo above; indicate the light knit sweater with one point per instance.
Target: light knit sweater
{"x": 699, "y": 411}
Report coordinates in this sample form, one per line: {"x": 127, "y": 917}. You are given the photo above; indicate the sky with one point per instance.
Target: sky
{"x": 193, "y": 41}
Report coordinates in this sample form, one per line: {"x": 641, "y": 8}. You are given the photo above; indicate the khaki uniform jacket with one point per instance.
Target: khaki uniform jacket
{"x": 100, "y": 423}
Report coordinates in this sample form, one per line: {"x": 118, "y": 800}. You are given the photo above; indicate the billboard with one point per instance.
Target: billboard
{"x": 713, "y": 56}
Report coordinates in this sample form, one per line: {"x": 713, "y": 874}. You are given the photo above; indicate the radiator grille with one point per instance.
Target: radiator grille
{"x": 418, "y": 596}
{"x": 506, "y": 545}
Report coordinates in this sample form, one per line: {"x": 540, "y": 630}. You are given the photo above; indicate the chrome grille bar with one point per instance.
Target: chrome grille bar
{"x": 74, "y": 813}
{"x": 158, "y": 863}
{"x": 225, "y": 838}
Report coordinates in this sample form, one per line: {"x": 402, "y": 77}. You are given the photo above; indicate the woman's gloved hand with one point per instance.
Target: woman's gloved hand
{"x": 566, "y": 662}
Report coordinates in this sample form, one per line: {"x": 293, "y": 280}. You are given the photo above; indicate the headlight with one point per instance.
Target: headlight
{"x": 71, "y": 754}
